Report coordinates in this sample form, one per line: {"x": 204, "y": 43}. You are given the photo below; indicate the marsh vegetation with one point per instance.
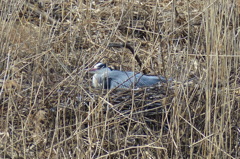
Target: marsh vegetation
{"x": 49, "y": 109}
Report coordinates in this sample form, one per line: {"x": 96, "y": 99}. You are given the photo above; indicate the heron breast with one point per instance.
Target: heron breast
{"x": 95, "y": 81}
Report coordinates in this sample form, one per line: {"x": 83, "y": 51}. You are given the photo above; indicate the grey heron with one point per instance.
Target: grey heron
{"x": 106, "y": 78}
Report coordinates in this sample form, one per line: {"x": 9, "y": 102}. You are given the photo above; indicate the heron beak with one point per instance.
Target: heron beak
{"x": 92, "y": 70}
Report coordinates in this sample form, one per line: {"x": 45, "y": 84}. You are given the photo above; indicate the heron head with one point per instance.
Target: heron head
{"x": 99, "y": 68}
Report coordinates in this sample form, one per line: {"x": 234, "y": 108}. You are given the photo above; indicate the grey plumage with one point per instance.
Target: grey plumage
{"x": 106, "y": 78}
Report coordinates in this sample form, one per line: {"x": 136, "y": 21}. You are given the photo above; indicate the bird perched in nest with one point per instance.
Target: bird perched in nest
{"x": 106, "y": 78}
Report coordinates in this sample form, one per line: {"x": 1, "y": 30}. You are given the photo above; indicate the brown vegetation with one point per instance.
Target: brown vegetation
{"x": 49, "y": 109}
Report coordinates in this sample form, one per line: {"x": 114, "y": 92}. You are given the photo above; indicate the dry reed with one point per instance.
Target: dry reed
{"x": 48, "y": 108}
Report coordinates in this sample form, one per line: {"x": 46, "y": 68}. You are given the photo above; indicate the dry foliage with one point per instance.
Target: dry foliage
{"x": 48, "y": 108}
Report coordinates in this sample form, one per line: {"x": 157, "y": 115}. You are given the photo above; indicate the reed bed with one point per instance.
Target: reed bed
{"x": 49, "y": 109}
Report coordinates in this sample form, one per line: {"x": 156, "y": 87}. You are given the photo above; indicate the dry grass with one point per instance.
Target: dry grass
{"x": 48, "y": 108}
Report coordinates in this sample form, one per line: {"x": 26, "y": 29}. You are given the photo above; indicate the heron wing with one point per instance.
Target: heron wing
{"x": 145, "y": 80}
{"x": 120, "y": 79}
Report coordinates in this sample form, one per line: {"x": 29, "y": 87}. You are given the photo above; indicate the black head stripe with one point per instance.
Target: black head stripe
{"x": 102, "y": 65}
